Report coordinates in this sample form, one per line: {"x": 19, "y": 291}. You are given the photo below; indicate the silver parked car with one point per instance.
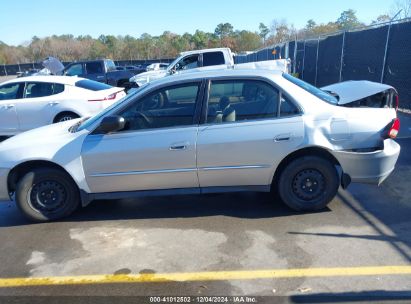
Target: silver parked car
{"x": 215, "y": 131}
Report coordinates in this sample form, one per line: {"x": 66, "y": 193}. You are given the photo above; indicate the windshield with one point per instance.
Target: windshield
{"x": 312, "y": 89}
{"x": 90, "y": 121}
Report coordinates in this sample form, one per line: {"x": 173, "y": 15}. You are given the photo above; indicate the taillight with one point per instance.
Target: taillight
{"x": 109, "y": 97}
{"x": 394, "y": 129}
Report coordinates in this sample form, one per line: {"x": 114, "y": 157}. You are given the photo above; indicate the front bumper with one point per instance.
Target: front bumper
{"x": 4, "y": 192}
{"x": 369, "y": 167}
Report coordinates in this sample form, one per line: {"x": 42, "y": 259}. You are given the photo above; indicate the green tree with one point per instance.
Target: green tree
{"x": 264, "y": 31}
{"x": 348, "y": 20}
{"x": 247, "y": 41}
{"x": 224, "y": 30}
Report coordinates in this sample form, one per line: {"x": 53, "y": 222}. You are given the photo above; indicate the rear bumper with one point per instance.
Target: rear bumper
{"x": 4, "y": 192}
{"x": 369, "y": 167}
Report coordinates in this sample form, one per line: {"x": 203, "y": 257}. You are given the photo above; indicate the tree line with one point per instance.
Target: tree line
{"x": 168, "y": 44}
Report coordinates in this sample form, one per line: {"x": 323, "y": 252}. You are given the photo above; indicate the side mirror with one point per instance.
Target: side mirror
{"x": 111, "y": 124}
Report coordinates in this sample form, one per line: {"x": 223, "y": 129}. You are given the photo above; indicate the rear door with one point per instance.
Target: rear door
{"x": 9, "y": 94}
{"x": 245, "y": 136}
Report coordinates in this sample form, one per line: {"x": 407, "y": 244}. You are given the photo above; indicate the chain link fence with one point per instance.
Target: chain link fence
{"x": 380, "y": 53}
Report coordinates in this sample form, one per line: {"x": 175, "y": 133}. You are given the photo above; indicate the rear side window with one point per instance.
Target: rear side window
{"x": 287, "y": 108}
{"x": 92, "y": 85}
{"x": 42, "y": 89}
{"x": 213, "y": 58}
{"x": 94, "y": 68}
{"x": 241, "y": 100}
{"x": 58, "y": 88}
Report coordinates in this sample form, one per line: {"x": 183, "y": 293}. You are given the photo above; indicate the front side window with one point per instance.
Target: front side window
{"x": 38, "y": 89}
{"x": 75, "y": 70}
{"x": 94, "y": 68}
{"x": 10, "y": 91}
{"x": 241, "y": 100}
{"x": 168, "y": 107}
{"x": 110, "y": 66}
{"x": 189, "y": 62}
{"x": 213, "y": 58}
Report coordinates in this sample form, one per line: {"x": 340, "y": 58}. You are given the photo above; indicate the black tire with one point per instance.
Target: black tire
{"x": 308, "y": 183}
{"x": 46, "y": 194}
{"x": 65, "y": 116}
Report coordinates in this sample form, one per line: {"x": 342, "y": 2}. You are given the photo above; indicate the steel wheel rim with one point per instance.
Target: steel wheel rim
{"x": 48, "y": 196}
{"x": 308, "y": 184}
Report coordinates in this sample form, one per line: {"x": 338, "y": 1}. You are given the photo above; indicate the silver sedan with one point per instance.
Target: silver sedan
{"x": 215, "y": 131}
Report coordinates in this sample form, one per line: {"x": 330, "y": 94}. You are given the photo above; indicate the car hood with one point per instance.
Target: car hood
{"x": 53, "y": 65}
{"x": 353, "y": 90}
{"x": 39, "y": 143}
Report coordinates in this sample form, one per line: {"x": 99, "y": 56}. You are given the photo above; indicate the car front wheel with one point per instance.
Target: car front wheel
{"x": 308, "y": 183}
{"x": 46, "y": 194}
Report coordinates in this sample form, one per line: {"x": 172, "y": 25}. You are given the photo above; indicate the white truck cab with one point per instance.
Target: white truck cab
{"x": 207, "y": 59}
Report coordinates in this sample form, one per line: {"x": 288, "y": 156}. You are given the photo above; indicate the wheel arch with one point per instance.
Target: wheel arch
{"x": 21, "y": 169}
{"x": 307, "y": 151}
{"x": 64, "y": 112}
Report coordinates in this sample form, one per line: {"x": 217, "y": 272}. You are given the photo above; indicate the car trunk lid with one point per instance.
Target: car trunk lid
{"x": 363, "y": 93}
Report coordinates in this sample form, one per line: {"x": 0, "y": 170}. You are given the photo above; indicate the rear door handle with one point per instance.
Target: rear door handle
{"x": 282, "y": 137}
{"x": 9, "y": 106}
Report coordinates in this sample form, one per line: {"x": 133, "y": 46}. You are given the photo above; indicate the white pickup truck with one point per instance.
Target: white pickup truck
{"x": 200, "y": 60}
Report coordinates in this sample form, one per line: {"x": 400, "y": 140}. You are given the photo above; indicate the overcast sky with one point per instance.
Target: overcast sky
{"x": 22, "y": 19}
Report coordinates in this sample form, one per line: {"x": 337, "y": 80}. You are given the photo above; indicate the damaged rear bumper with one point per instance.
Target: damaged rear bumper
{"x": 369, "y": 167}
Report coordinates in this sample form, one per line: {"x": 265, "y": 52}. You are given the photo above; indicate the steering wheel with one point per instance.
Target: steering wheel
{"x": 142, "y": 121}
{"x": 154, "y": 102}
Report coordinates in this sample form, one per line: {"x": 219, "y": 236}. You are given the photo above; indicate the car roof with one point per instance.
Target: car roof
{"x": 204, "y": 51}
{"x": 68, "y": 80}
{"x": 198, "y": 75}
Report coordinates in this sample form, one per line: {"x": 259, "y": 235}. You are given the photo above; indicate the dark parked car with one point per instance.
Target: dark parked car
{"x": 103, "y": 70}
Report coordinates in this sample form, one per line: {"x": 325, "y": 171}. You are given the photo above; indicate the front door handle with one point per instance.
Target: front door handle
{"x": 53, "y": 103}
{"x": 282, "y": 137}
{"x": 9, "y": 106}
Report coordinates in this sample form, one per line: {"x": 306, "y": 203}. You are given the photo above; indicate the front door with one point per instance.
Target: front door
{"x": 156, "y": 149}
{"x": 37, "y": 107}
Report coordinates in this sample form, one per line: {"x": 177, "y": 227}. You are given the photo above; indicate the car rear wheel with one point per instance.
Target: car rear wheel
{"x": 308, "y": 183}
{"x": 46, "y": 194}
{"x": 65, "y": 116}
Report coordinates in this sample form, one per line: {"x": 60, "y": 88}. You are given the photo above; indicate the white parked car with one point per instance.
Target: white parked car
{"x": 215, "y": 131}
{"x": 35, "y": 101}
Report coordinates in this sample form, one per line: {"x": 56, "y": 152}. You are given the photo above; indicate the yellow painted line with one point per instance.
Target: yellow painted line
{"x": 206, "y": 276}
